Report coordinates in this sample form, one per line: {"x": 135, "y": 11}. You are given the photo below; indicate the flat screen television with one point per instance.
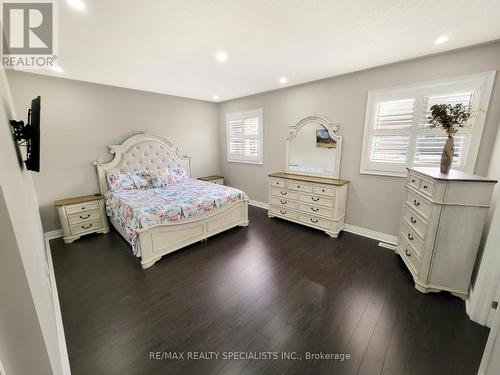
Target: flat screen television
{"x": 33, "y": 143}
{"x": 29, "y": 135}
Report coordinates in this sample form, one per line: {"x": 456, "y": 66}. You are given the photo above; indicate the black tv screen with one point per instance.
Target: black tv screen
{"x": 33, "y": 142}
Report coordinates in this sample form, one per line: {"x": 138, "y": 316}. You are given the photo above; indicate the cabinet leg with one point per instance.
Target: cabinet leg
{"x": 332, "y": 234}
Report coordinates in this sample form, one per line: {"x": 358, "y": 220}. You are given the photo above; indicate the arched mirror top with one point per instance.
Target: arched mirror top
{"x": 313, "y": 147}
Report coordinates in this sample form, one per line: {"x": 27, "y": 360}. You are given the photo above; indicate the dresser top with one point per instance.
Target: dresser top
{"x": 85, "y": 198}
{"x": 301, "y": 177}
{"x": 453, "y": 175}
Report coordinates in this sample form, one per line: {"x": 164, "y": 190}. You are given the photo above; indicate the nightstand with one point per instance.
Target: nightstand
{"x": 82, "y": 215}
{"x": 219, "y": 180}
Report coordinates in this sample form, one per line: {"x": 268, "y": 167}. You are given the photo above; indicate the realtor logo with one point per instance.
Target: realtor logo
{"x": 28, "y": 34}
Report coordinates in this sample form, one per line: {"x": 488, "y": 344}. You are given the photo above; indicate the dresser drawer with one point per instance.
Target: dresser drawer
{"x": 409, "y": 257}
{"x": 419, "y": 204}
{"x": 316, "y": 210}
{"x": 416, "y": 223}
{"x": 299, "y": 186}
{"x": 283, "y": 193}
{"x": 413, "y": 181}
{"x": 81, "y": 207}
{"x": 90, "y": 226}
{"x": 410, "y": 236}
{"x": 315, "y": 221}
{"x": 277, "y": 182}
{"x": 82, "y": 217}
{"x": 324, "y": 190}
{"x": 283, "y": 202}
{"x": 278, "y": 211}
{"x": 316, "y": 200}
{"x": 427, "y": 187}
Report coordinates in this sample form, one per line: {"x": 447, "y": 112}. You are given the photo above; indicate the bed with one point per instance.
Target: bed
{"x": 157, "y": 221}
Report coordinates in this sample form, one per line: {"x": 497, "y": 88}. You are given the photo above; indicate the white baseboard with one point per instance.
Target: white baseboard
{"x": 53, "y": 234}
{"x": 388, "y": 241}
{"x": 63, "y": 351}
{"x": 379, "y": 236}
{"x": 255, "y": 203}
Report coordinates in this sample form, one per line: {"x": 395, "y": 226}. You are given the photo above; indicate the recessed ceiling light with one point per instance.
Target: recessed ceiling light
{"x": 283, "y": 80}
{"x": 57, "y": 69}
{"x": 77, "y": 4}
{"x": 221, "y": 56}
{"x": 215, "y": 97}
{"x": 442, "y": 39}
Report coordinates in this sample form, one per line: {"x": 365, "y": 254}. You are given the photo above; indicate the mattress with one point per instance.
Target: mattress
{"x": 137, "y": 210}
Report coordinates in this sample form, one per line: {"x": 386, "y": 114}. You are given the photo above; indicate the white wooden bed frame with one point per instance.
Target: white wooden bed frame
{"x": 144, "y": 151}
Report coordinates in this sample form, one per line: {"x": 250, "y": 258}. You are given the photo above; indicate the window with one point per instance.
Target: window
{"x": 245, "y": 136}
{"x": 397, "y": 134}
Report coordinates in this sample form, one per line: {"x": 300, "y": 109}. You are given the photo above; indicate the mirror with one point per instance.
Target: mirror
{"x": 313, "y": 148}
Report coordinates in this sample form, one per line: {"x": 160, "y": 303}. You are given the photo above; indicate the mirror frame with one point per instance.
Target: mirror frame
{"x": 332, "y": 128}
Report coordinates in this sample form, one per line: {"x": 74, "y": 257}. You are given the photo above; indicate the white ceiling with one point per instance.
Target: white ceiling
{"x": 169, "y": 46}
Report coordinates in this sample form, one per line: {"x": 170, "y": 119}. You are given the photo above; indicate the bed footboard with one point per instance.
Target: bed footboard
{"x": 163, "y": 239}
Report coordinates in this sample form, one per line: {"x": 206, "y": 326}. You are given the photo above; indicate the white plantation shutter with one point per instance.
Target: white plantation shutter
{"x": 244, "y": 136}
{"x": 397, "y": 132}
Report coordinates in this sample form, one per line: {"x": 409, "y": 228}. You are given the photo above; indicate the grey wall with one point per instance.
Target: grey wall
{"x": 80, "y": 119}
{"x": 28, "y": 335}
{"x": 374, "y": 202}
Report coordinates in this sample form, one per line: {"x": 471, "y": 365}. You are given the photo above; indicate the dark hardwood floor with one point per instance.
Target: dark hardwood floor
{"x": 271, "y": 287}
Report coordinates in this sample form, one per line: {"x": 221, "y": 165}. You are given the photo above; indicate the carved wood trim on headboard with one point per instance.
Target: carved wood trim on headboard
{"x": 141, "y": 151}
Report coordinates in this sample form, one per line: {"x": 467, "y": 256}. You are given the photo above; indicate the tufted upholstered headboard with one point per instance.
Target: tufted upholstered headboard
{"x": 141, "y": 151}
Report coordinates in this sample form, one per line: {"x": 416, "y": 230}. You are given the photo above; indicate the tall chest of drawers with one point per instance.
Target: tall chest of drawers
{"x": 441, "y": 227}
{"x": 317, "y": 202}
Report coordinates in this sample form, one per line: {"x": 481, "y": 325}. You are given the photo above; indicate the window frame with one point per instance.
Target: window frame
{"x": 418, "y": 91}
{"x": 238, "y": 115}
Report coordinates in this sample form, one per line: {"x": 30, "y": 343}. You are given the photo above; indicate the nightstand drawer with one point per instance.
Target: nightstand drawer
{"x": 82, "y": 207}
{"x": 83, "y": 217}
{"x": 90, "y": 226}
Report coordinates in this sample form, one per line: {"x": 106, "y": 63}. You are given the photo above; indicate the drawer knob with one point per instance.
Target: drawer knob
{"x": 298, "y": 186}
{"x": 87, "y": 226}
{"x": 283, "y": 192}
{"x": 282, "y": 201}
{"x": 315, "y": 199}
{"x": 314, "y": 209}
{"x": 314, "y": 220}
{"x": 84, "y": 217}
{"x": 410, "y": 237}
{"x": 416, "y": 203}
{"x": 413, "y": 180}
{"x": 413, "y": 221}
{"x": 323, "y": 190}
{"x": 425, "y": 186}
{"x": 283, "y": 212}
{"x": 408, "y": 254}
{"x": 83, "y": 207}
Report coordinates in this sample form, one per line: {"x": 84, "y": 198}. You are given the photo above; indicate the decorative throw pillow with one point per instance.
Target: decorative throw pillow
{"x": 141, "y": 178}
{"x": 179, "y": 174}
{"x": 161, "y": 178}
{"x": 120, "y": 181}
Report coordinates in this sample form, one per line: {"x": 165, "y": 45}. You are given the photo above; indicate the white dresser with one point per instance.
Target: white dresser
{"x": 317, "y": 202}
{"x": 441, "y": 227}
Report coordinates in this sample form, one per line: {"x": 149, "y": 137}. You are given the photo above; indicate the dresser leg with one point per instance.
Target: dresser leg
{"x": 103, "y": 231}
{"x": 270, "y": 215}
{"x": 332, "y": 234}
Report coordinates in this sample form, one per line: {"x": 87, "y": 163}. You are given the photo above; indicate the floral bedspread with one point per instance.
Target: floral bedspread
{"x": 138, "y": 209}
